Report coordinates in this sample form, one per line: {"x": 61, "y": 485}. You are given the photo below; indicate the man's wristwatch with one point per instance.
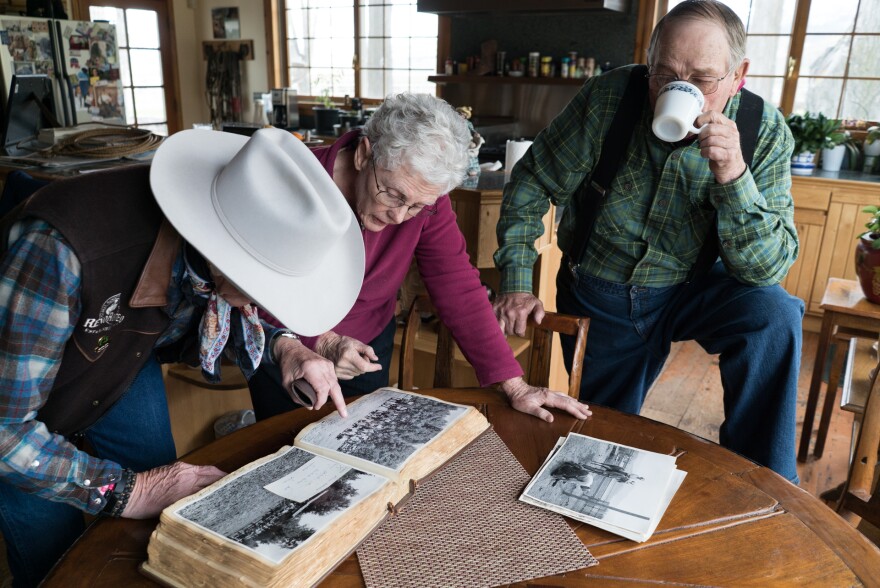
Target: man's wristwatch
{"x": 118, "y": 495}
{"x": 278, "y": 335}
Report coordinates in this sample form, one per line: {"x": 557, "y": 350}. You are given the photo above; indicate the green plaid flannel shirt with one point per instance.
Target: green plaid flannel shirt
{"x": 658, "y": 210}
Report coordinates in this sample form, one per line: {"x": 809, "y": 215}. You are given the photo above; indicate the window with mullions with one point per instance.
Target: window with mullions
{"x": 840, "y": 70}
{"x": 829, "y": 65}
{"x": 143, "y": 84}
{"x": 395, "y": 49}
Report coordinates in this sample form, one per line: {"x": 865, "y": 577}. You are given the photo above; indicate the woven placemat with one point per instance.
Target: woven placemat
{"x": 465, "y": 527}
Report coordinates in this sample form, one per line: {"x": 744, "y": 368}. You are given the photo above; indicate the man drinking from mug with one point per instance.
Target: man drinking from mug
{"x": 646, "y": 221}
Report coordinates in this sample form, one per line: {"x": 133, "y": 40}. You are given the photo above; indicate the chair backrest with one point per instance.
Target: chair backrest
{"x": 542, "y": 341}
{"x": 858, "y": 495}
{"x": 444, "y": 353}
{"x": 539, "y": 363}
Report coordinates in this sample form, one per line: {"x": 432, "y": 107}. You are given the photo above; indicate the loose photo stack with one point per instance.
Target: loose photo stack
{"x": 621, "y": 489}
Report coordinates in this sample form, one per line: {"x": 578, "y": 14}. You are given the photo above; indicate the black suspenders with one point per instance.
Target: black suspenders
{"x": 591, "y": 193}
{"x": 588, "y": 198}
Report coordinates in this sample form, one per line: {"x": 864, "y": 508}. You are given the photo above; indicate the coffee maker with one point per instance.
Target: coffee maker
{"x": 285, "y": 110}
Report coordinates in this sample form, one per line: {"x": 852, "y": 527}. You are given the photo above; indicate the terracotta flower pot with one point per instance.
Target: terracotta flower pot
{"x": 868, "y": 266}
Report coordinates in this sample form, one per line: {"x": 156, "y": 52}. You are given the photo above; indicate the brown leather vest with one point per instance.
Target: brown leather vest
{"x": 112, "y": 222}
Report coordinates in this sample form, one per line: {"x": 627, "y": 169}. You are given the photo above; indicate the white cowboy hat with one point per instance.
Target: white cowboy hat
{"x": 266, "y": 214}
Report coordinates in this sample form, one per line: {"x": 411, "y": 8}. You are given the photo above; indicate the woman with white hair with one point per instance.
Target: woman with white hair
{"x": 395, "y": 175}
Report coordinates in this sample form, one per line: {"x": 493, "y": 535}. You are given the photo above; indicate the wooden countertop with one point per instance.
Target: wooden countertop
{"x": 843, "y": 176}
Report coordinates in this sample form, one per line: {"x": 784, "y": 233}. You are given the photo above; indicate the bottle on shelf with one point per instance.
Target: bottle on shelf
{"x": 546, "y": 66}
{"x": 534, "y": 64}
{"x": 590, "y": 68}
{"x": 500, "y": 62}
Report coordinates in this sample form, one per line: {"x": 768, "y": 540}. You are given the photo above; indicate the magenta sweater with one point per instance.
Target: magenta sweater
{"x": 452, "y": 282}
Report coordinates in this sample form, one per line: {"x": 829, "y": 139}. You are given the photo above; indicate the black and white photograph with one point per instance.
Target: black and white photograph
{"x": 386, "y": 427}
{"x": 278, "y": 506}
{"x": 594, "y": 480}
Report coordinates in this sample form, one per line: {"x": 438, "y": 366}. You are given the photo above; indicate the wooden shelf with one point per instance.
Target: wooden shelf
{"x": 469, "y": 79}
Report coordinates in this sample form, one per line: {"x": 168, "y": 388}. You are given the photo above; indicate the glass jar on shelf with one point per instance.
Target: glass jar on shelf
{"x": 534, "y": 64}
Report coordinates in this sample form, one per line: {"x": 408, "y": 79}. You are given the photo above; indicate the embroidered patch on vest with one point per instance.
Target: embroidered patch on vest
{"x": 108, "y": 317}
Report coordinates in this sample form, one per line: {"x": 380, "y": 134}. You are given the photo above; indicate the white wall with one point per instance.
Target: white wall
{"x": 193, "y": 25}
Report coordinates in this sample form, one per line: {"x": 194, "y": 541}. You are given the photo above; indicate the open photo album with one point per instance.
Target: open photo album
{"x": 289, "y": 518}
{"x": 618, "y": 488}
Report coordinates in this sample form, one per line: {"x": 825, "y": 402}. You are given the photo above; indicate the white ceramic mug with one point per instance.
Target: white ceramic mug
{"x": 678, "y": 105}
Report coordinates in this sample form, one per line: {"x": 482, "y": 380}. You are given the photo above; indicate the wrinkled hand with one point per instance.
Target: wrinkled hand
{"x": 513, "y": 310}
{"x": 298, "y": 361}
{"x": 350, "y": 357}
{"x": 532, "y": 400}
{"x": 163, "y": 486}
{"x": 719, "y": 143}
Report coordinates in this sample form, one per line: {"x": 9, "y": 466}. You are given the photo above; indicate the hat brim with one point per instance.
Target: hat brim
{"x": 181, "y": 176}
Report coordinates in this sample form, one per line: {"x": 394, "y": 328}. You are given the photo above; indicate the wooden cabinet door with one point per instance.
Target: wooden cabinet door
{"x": 810, "y": 225}
{"x": 810, "y": 214}
{"x": 844, "y": 224}
{"x": 477, "y": 213}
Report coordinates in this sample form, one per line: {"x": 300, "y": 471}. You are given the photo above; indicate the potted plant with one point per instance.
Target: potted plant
{"x": 871, "y": 148}
{"x": 836, "y": 144}
{"x": 809, "y": 132}
{"x": 326, "y": 115}
{"x": 868, "y": 256}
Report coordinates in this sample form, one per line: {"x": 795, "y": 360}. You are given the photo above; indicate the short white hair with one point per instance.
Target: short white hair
{"x": 423, "y": 134}
{"x": 709, "y": 11}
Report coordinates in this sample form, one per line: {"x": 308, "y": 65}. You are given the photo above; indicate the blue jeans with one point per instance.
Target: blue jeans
{"x": 135, "y": 432}
{"x": 755, "y": 330}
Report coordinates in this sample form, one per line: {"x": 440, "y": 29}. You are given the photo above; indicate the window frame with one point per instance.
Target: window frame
{"x": 168, "y": 49}
{"x": 276, "y": 32}
{"x": 650, "y": 11}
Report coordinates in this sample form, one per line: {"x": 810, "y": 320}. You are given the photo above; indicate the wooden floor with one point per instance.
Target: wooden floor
{"x": 688, "y": 395}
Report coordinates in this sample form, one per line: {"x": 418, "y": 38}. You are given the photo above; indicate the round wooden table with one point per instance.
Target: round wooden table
{"x": 732, "y": 522}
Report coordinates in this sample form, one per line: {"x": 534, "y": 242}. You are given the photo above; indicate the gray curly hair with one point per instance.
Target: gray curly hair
{"x": 423, "y": 134}
{"x": 706, "y": 10}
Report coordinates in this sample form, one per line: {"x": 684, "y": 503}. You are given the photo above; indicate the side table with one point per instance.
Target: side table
{"x": 846, "y": 314}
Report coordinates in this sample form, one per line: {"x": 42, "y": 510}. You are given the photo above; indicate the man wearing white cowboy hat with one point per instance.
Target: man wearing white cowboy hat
{"x": 104, "y": 277}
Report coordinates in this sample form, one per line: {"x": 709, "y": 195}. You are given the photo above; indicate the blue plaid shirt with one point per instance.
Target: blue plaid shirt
{"x": 39, "y": 287}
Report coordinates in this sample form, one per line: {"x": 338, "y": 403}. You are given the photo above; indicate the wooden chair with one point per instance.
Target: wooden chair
{"x": 539, "y": 361}
{"x": 858, "y": 496}
{"x": 233, "y": 379}
{"x": 846, "y": 313}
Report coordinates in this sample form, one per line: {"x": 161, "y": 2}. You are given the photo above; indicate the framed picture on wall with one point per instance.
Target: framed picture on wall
{"x": 225, "y": 23}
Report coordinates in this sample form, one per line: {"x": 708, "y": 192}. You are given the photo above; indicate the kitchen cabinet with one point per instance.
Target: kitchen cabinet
{"x": 460, "y": 6}
{"x": 478, "y": 210}
{"x": 828, "y": 219}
